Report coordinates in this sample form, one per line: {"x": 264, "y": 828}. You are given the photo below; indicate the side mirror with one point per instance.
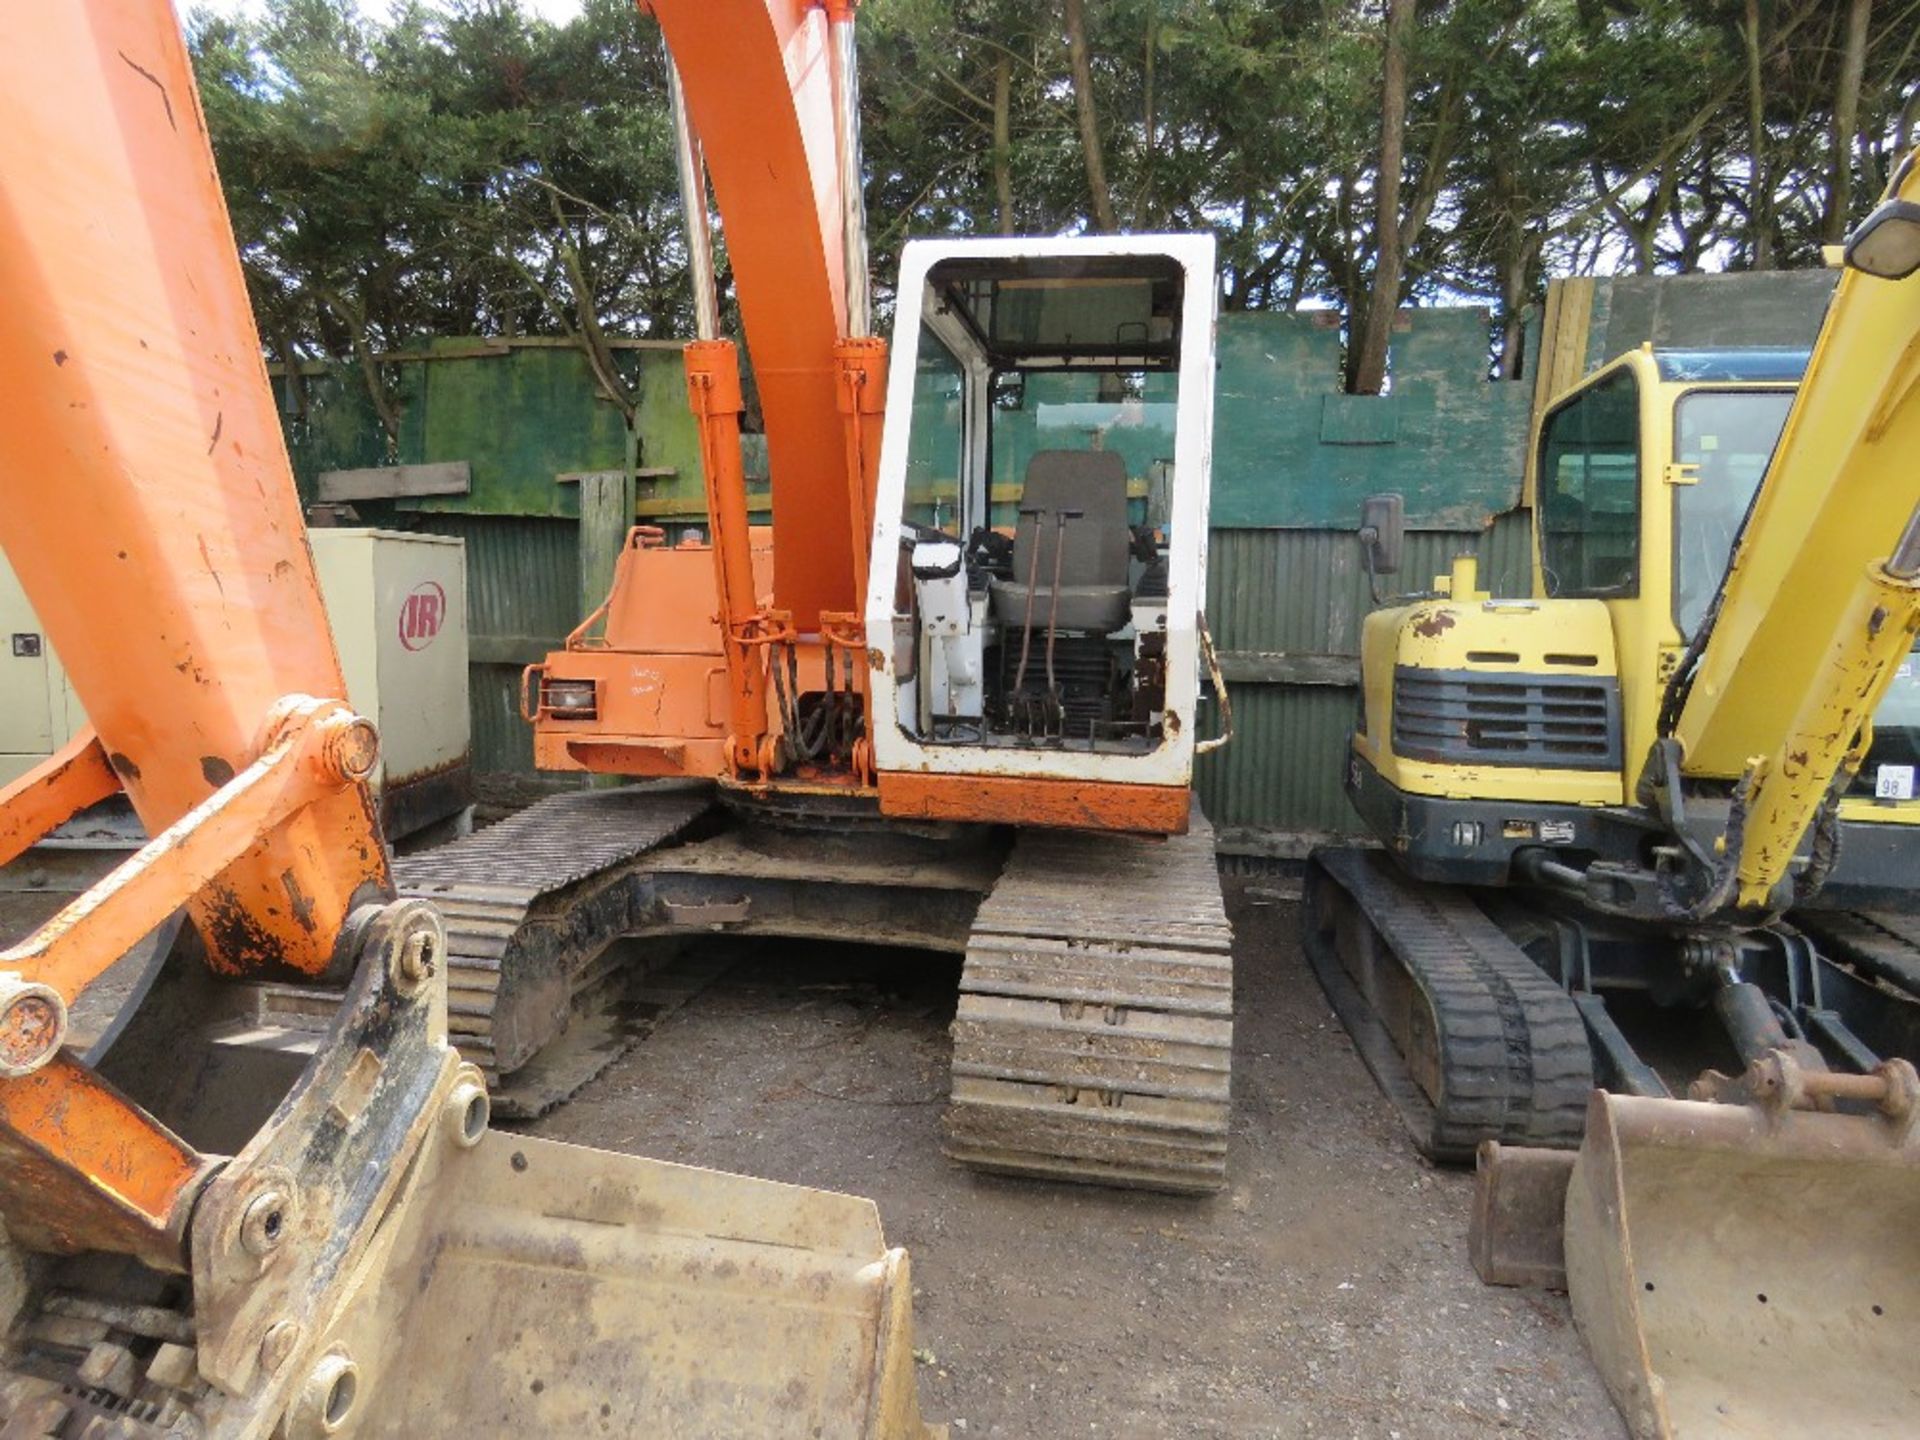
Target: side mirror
{"x": 1887, "y": 244}
{"x": 1383, "y": 531}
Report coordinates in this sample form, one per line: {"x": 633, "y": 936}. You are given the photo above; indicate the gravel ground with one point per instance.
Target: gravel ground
{"x": 1326, "y": 1293}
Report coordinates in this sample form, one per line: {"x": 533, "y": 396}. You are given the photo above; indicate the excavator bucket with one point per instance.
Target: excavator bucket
{"x": 536, "y": 1288}
{"x": 1740, "y": 1271}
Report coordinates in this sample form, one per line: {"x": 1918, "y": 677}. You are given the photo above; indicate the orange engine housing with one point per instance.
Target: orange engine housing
{"x": 653, "y": 658}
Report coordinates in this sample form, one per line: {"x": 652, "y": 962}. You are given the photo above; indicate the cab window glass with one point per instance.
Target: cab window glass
{"x": 1589, "y": 492}
{"x": 1728, "y": 437}
{"x": 936, "y": 436}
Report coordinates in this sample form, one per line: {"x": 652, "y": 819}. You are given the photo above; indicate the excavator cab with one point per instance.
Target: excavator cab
{"x": 1049, "y": 416}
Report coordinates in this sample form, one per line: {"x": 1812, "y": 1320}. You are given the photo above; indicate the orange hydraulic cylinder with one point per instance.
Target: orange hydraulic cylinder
{"x": 146, "y": 501}
{"x": 713, "y": 392}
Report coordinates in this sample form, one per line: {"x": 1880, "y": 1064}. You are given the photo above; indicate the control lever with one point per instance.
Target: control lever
{"x": 1061, "y": 517}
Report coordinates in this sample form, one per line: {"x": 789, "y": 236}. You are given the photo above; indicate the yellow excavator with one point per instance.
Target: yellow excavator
{"x": 219, "y": 1221}
{"x": 1650, "y": 829}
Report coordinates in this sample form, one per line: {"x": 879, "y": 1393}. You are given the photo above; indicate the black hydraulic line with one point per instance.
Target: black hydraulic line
{"x": 1747, "y": 1013}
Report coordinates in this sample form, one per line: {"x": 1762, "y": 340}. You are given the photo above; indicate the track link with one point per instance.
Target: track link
{"x": 531, "y": 906}
{"x": 1464, "y": 1033}
{"x": 1093, "y": 1040}
{"x": 1881, "y": 944}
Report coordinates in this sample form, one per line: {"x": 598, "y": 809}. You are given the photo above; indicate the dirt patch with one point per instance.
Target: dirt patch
{"x": 1326, "y": 1293}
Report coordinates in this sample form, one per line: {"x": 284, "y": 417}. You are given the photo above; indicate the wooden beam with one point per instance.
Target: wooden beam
{"x": 393, "y": 482}
{"x": 1280, "y": 667}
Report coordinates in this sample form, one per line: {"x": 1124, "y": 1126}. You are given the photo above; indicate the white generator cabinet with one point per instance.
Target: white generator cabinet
{"x": 398, "y": 606}
{"x": 38, "y": 709}
{"x": 397, "y": 603}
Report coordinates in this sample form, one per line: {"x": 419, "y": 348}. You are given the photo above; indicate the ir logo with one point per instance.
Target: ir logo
{"x": 421, "y": 614}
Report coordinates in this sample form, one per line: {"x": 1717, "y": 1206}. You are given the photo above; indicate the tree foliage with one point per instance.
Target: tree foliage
{"x": 465, "y": 168}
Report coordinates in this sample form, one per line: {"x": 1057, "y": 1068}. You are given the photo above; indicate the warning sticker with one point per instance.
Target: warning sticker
{"x": 1557, "y": 832}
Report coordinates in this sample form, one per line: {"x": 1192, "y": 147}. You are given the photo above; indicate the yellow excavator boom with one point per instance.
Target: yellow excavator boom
{"x": 1822, "y": 599}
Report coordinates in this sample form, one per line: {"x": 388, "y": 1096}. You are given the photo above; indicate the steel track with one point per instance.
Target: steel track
{"x": 531, "y": 906}
{"x": 1093, "y": 1040}
{"x": 1463, "y": 1032}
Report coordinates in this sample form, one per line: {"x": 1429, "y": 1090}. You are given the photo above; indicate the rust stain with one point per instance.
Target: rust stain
{"x": 123, "y": 767}
{"x": 1430, "y": 624}
{"x": 59, "y": 357}
{"x": 216, "y": 771}
{"x": 207, "y": 556}
{"x": 237, "y": 942}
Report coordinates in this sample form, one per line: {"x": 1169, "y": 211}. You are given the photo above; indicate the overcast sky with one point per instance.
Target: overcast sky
{"x": 557, "y": 10}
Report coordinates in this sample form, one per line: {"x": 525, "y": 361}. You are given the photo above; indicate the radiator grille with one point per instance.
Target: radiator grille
{"x": 1497, "y": 718}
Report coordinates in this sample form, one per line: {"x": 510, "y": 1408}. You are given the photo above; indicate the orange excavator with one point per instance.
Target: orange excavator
{"x": 248, "y": 1187}
{"x": 949, "y": 699}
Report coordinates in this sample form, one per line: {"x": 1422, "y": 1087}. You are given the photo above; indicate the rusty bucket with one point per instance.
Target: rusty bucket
{"x": 1744, "y": 1270}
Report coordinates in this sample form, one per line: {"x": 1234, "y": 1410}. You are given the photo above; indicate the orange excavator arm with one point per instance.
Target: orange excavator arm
{"x": 758, "y": 81}
{"x": 364, "y": 1242}
{"x": 151, "y": 516}
{"x": 150, "y": 510}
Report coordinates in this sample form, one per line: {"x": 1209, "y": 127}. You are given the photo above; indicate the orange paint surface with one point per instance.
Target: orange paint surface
{"x": 759, "y": 90}
{"x": 53, "y": 792}
{"x": 146, "y": 501}
{"x": 118, "y": 1175}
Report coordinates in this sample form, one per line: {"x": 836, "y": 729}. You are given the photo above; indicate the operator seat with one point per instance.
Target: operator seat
{"x": 1094, "y": 597}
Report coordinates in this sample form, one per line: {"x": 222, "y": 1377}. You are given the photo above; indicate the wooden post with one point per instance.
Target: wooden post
{"x": 607, "y": 498}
